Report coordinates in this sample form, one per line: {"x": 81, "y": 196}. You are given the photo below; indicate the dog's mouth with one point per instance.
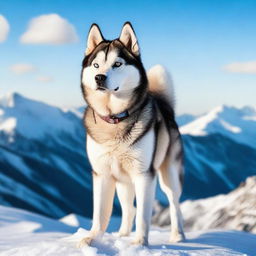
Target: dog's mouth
{"x": 101, "y": 88}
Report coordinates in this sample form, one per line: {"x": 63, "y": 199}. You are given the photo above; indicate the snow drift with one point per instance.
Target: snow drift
{"x": 24, "y": 233}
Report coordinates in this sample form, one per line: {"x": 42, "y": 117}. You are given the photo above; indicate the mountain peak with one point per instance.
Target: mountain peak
{"x": 35, "y": 119}
{"x": 249, "y": 110}
{"x": 236, "y": 123}
{"x": 9, "y": 99}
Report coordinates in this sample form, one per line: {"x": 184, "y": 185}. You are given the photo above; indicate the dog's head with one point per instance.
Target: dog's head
{"x": 113, "y": 67}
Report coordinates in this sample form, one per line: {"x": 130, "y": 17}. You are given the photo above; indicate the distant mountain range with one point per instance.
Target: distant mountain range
{"x": 44, "y": 167}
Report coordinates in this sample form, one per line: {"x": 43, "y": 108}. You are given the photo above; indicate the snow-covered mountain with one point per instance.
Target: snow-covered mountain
{"x": 25, "y": 233}
{"x": 220, "y": 150}
{"x": 235, "y": 210}
{"x": 44, "y": 167}
{"x": 234, "y": 123}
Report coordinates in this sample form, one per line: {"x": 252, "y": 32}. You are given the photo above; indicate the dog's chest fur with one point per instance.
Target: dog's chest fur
{"x": 124, "y": 147}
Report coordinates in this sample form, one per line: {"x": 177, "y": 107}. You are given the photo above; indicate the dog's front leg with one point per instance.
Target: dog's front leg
{"x": 126, "y": 194}
{"x": 103, "y": 195}
{"x": 145, "y": 185}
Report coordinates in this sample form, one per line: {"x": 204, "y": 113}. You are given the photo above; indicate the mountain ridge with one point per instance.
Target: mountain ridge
{"x": 236, "y": 123}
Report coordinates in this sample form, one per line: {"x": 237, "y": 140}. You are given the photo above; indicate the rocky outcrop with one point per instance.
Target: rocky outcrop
{"x": 236, "y": 210}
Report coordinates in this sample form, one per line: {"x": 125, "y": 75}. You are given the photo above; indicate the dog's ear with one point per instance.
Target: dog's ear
{"x": 94, "y": 38}
{"x": 129, "y": 39}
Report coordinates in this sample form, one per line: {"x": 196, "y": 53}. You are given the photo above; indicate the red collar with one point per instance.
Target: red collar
{"x": 115, "y": 119}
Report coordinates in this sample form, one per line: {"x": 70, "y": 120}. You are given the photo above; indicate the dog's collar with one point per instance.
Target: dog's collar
{"x": 115, "y": 119}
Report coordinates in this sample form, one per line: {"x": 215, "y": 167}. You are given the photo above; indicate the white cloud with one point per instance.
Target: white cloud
{"x": 22, "y": 68}
{"x": 241, "y": 67}
{"x": 49, "y": 29}
{"x": 45, "y": 79}
{"x": 4, "y": 28}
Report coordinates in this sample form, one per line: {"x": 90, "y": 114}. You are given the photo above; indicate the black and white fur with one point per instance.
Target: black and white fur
{"x": 128, "y": 156}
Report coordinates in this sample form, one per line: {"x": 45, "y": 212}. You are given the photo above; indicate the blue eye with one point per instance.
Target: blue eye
{"x": 96, "y": 65}
{"x": 117, "y": 64}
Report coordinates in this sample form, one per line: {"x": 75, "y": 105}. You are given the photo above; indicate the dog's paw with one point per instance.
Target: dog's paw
{"x": 123, "y": 233}
{"x": 140, "y": 241}
{"x": 177, "y": 237}
{"x": 86, "y": 241}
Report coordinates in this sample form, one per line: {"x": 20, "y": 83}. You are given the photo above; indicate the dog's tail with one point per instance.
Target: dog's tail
{"x": 160, "y": 82}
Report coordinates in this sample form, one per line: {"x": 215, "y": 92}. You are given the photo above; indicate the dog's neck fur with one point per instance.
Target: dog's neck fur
{"x": 103, "y": 132}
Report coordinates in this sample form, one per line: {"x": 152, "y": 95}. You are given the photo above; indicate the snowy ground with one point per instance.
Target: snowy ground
{"x": 26, "y": 234}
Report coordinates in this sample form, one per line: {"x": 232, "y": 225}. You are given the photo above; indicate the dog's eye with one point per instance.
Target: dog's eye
{"x": 117, "y": 64}
{"x": 96, "y": 65}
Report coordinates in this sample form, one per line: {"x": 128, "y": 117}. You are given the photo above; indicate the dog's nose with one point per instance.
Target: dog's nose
{"x": 100, "y": 78}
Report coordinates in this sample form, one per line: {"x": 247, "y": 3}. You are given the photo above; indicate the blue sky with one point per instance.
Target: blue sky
{"x": 195, "y": 40}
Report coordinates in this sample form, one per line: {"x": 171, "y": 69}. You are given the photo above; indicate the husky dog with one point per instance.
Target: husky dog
{"x": 132, "y": 136}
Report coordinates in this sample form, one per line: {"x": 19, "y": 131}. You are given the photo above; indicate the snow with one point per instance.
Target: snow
{"x": 198, "y": 126}
{"x": 25, "y": 233}
{"x": 230, "y": 127}
{"x": 252, "y": 118}
{"x": 8, "y": 125}
{"x": 7, "y": 100}
{"x": 75, "y": 220}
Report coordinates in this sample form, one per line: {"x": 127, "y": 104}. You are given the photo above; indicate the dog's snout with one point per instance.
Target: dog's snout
{"x": 100, "y": 81}
{"x": 100, "y": 78}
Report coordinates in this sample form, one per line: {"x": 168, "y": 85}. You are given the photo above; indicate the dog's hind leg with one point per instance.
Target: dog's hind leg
{"x": 103, "y": 195}
{"x": 170, "y": 182}
{"x": 126, "y": 194}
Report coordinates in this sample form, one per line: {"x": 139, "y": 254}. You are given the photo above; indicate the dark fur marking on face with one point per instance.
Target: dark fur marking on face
{"x": 106, "y": 51}
{"x": 106, "y": 46}
{"x": 88, "y": 59}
